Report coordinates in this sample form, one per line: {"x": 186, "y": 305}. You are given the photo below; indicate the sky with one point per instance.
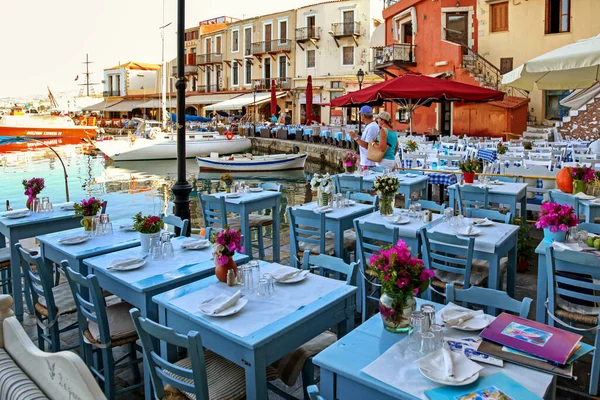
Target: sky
{"x": 45, "y": 42}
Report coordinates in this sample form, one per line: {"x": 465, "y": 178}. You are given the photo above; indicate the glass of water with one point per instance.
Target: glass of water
{"x": 438, "y": 333}
{"x": 428, "y": 344}
{"x": 155, "y": 248}
{"x": 271, "y": 281}
{"x": 263, "y": 288}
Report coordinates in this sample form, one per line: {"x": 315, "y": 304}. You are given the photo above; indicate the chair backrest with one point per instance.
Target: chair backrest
{"x": 545, "y": 163}
{"x": 364, "y": 198}
{"x": 472, "y": 196}
{"x": 450, "y": 160}
{"x": 403, "y": 172}
{"x": 587, "y": 157}
{"x": 450, "y": 253}
{"x": 214, "y": 210}
{"x": 590, "y": 227}
{"x": 505, "y": 178}
{"x": 162, "y": 371}
{"x": 39, "y": 282}
{"x": 488, "y": 298}
{"x": 330, "y": 264}
{"x": 345, "y": 183}
{"x": 565, "y": 198}
{"x": 306, "y": 227}
{"x": 94, "y": 309}
{"x": 492, "y": 215}
{"x": 313, "y": 393}
{"x": 429, "y": 205}
{"x": 370, "y": 237}
{"x": 177, "y": 222}
{"x": 272, "y": 186}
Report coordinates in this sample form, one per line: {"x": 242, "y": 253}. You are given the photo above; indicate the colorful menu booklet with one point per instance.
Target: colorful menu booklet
{"x": 532, "y": 337}
{"x": 495, "y": 386}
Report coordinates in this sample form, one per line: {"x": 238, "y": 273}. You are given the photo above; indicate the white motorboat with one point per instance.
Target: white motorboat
{"x": 150, "y": 143}
{"x": 248, "y": 162}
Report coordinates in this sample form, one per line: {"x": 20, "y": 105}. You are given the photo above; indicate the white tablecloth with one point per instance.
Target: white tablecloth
{"x": 405, "y": 230}
{"x": 260, "y": 311}
{"x": 487, "y": 240}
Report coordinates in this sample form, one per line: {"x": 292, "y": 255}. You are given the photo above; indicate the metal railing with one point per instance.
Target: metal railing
{"x": 109, "y": 93}
{"x": 272, "y": 46}
{"x": 402, "y": 52}
{"x": 208, "y": 88}
{"x": 211, "y": 58}
{"x": 190, "y": 69}
{"x": 389, "y": 3}
{"x": 280, "y": 83}
{"x": 307, "y": 33}
{"x": 345, "y": 28}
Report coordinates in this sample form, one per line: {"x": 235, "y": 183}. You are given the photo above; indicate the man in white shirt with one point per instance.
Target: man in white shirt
{"x": 370, "y": 131}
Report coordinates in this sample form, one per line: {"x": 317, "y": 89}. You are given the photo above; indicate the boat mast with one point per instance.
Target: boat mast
{"x": 164, "y": 71}
{"x": 87, "y": 74}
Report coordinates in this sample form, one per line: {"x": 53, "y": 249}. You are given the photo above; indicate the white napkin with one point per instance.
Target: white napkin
{"x": 480, "y": 221}
{"x": 584, "y": 196}
{"x": 67, "y": 206}
{"x": 220, "y": 303}
{"x": 564, "y": 246}
{"x": 16, "y": 213}
{"x": 323, "y": 209}
{"x": 74, "y": 238}
{"x": 455, "y": 316}
{"x": 193, "y": 244}
{"x": 124, "y": 262}
{"x": 126, "y": 226}
{"x": 284, "y": 273}
{"x": 441, "y": 362}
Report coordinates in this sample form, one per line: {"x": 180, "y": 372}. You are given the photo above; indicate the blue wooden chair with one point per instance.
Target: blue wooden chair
{"x": 5, "y": 275}
{"x": 364, "y": 198}
{"x": 429, "y": 205}
{"x": 275, "y": 187}
{"x": 565, "y": 198}
{"x": 571, "y": 276}
{"x": 306, "y": 234}
{"x": 488, "y": 298}
{"x": 313, "y": 393}
{"x": 492, "y": 215}
{"x": 509, "y": 179}
{"x": 348, "y": 183}
{"x": 214, "y": 212}
{"x": 189, "y": 377}
{"x": 471, "y": 196}
{"x": 590, "y": 227}
{"x": 101, "y": 329}
{"x": 49, "y": 303}
{"x": 176, "y": 222}
{"x": 369, "y": 240}
{"x": 260, "y": 221}
{"x": 450, "y": 257}
{"x": 404, "y": 172}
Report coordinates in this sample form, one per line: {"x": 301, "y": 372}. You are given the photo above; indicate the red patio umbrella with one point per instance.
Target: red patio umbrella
{"x": 413, "y": 90}
{"x": 309, "y": 99}
{"x": 273, "y": 99}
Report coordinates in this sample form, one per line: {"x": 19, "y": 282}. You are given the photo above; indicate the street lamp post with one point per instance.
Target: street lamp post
{"x": 360, "y": 75}
{"x": 181, "y": 189}
{"x": 254, "y": 90}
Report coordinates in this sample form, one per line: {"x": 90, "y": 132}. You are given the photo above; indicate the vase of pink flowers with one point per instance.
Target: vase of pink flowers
{"x": 402, "y": 277}
{"x": 88, "y": 208}
{"x": 350, "y": 162}
{"x": 225, "y": 244}
{"x": 33, "y": 187}
{"x": 556, "y": 219}
{"x": 148, "y": 227}
{"x": 581, "y": 177}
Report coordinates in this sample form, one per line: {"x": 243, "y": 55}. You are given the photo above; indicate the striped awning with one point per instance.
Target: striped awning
{"x": 125, "y": 105}
{"x": 243, "y": 101}
{"x": 103, "y": 105}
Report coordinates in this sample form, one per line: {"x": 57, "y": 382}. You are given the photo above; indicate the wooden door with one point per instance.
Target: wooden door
{"x": 310, "y": 26}
{"x": 348, "y": 22}
{"x": 268, "y": 36}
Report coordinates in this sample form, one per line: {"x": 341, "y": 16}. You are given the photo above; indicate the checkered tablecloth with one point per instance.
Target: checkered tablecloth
{"x": 437, "y": 178}
{"x": 409, "y": 163}
{"x": 489, "y": 155}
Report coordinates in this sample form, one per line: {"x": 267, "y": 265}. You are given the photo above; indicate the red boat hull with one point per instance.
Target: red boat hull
{"x": 80, "y": 132}
{"x": 12, "y": 147}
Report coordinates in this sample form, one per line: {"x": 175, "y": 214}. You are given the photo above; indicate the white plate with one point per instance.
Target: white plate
{"x": 450, "y": 383}
{"x": 18, "y": 214}
{"x": 351, "y": 202}
{"x": 484, "y": 324}
{"x": 229, "y": 311}
{"x": 392, "y": 220}
{"x": 482, "y": 222}
{"x": 496, "y": 183}
{"x": 411, "y": 175}
{"x": 233, "y": 195}
{"x": 296, "y": 278}
{"x": 474, "y": 232}
{"x": 129, "y": 267}
{"x": 74, "y": 240}
{"x": 257, "y": 189}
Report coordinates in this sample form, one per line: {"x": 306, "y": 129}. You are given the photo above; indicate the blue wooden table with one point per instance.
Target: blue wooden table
{"x": 590, "y": 209}
{"x": 408, "y": 185}
{"x": 31, "y": 226}
{"x": 252, "y": 202}
{"x": 338, "y": 221}
{"x": 509, "y": 193}
{"x": 255, "y": 351}
{"x": 341, "y": 365}
{"x": 494, "y": 242}
{"x": 53, "y": 251}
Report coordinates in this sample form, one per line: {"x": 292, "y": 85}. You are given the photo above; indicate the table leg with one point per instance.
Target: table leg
{"x": 542, "y": 290}
{"x": 511, "y": 273}
{"x": 245, "y": 221}
{"x": 523, "y": 207}
{"x": 339, "y": 240}
{"x": 256, "y": 379}
{"x": 276, "y": 230}
{"x": 15, "y": 270}
{"x": 327, "y": 385}
{"x": 493, "y": 278}
{"x": 347, "y": 324}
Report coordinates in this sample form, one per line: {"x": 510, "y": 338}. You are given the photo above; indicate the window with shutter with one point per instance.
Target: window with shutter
{"x": 310, "y": 58}
{"x": 506, "y": 65}
{"x": 348, "y": 55}
{"x": 499, "y": 17}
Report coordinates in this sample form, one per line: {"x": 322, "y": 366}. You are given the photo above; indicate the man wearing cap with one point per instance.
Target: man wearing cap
{"x": 369, "y": 132}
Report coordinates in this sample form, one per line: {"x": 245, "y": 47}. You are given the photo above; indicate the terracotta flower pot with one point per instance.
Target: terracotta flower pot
{"x": 221, "y": 270}
{"x": 469, "y": 177}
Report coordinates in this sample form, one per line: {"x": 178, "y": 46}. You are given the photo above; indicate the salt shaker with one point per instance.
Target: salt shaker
{"x": 426, "y": 216}
{"x": 231, "y": 280}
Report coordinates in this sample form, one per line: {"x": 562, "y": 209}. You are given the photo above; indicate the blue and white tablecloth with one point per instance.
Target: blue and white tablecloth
{"x": 307, "y": 132}
{"x": 341, "y": 136}
{"x": 325, "y": 134}
{"x": 437, "y": 178}
{"x": 409, "y": 163}
{"x": 489, "y": 155}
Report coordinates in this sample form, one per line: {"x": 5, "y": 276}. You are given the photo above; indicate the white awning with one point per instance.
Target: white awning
{"x": 378, "y": 37}
{"x": 210, "y": 98}
{"x": 101, "y": 106}
{"x": 157, "y": 103}
{"x": 126, "y": 105}
{"x": 243, "y": 101}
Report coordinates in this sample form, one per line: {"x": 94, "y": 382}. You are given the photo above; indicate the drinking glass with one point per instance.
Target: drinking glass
{"x": 429, "y": 311}
{"x": 427, "y": 343}
{"x": 155, "y": 248}
{"x": 263, "y": 288}
{"x": 438, "y": 333}
{"x": 167, "y": 249}
{"x": 434, "y": 165}
{"x": 271, "y": 281}
{"x": 417, "y": 325}
{"x": 96, "y": 226}
{"x": 448, "y": 213}
{"x": 108, "y": 228}
{"x": 418, "y": 207}
{"x": 247, "y": 279}
{"x": 411, "y": 211}
{"x": 255, "y": 268}
{"x": 35, "y": 205}
{"x": 45, "y": 203}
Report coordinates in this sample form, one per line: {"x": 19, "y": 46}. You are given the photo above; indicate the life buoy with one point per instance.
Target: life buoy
{"x": 132, "y": 138}
{"x": 229, "y": 135}
{"x": 83, "y": 122}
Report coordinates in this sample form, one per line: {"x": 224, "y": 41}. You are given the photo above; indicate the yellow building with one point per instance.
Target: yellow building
{"x": 512, "y": 32}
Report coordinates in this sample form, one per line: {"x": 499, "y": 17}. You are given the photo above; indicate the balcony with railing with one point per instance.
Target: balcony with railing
{"x": 211, "y": 58}
{"x": 342, "y": 29}
{"x": 190, "y": 69}
{"x": 208, "y": 88}
{"x": 272, "y": 46}
{"x": 399, "y": 55}
{"x": 111, "y": 93}
{"x": 283, "y": 83}
{"x": 389, "y": 3}
{"x": 308, "y": 33}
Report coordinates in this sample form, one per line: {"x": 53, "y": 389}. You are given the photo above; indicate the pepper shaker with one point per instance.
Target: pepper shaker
{"x": 231, "y": 279}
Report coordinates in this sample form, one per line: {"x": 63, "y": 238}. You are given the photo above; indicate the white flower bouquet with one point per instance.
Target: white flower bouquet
{"x": 322, "y": 183}
{"x": 386, "y": 185}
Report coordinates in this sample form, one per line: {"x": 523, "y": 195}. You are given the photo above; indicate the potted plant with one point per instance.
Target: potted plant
{"x": 525, "y": 246}
{"x": 528, "y": 145}
{"x": 402, "y": 277}
{"x": 225, "y": 244}
{"x": 148, "y": 227}
{"x": 227, "y": 180}
{"x": 88, "y": 208}
{"x": 350, "y": 162}
{"x": 33, "y": 187}
{"x": 411, "y": 146}
{"x": 468, "y": 168}
{"x": 323, "y": 184}
{"x": 501, "y": 149}
{"x": 555, "y": 219}
{"x": 387, "y": 187}
{"x": 581, "y": 176}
